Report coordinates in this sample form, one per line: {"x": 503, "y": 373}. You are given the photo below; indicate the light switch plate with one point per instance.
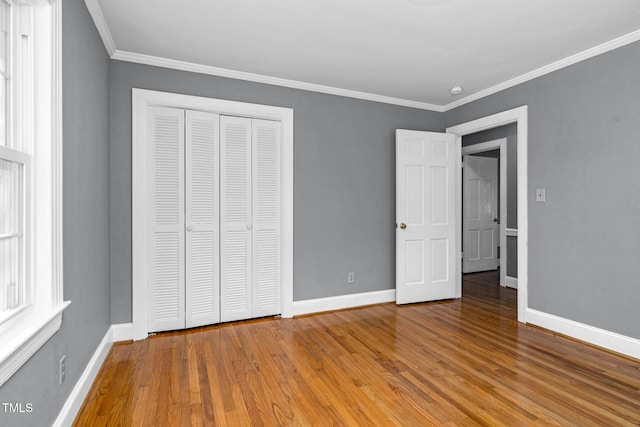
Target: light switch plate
{"x": 541, "y": 194}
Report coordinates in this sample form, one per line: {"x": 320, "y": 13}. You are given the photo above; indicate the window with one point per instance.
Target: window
{"x": 13, "y": 295}
{"x": 14, "y": 168}
{"x": 30, "y": 179}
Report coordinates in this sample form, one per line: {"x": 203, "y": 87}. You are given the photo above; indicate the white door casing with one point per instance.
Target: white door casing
{"x": 519, "y": 116}
{"x": 201, "y": 218}
{"x": 480, "y": 214}
{"x": 501, "y": 145}
{"x": 426, "y": 245}
{"x": 166, "y": 262}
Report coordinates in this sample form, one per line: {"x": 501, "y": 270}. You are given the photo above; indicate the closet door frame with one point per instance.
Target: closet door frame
{"x": 142, "y": 99}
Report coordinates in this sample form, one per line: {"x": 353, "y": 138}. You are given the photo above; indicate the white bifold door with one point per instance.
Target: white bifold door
{"x": 250, "y": 217}
{"x": 214, "y": 221}
{"x": 425, "y": 215}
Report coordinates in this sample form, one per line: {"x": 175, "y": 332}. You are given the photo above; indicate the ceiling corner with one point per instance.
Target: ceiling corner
{"x": 93, "y": 6}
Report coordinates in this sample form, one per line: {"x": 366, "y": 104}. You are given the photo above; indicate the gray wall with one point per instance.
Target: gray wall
{"x": 511, "y": 133}
{"x": 86, "y": 227}
{"x": 584, "y": 133}
{"x": 344, "y": 178}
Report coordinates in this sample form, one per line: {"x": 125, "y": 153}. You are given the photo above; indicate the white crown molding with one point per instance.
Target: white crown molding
{"x": 103, "y": 29}
{"x": 259, "y": 78}
{"x": 554, "y": 66}
{"x": 101, "y": 24}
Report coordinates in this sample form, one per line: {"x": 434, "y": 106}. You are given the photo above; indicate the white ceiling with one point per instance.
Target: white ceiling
{"x": 393, "y": 50}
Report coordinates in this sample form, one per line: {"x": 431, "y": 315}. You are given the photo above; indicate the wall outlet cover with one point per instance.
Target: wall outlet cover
{"x": 63, "y": 369}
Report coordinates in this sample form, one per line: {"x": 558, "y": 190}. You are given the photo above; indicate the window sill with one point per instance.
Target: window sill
{"x": 21, "y": 347}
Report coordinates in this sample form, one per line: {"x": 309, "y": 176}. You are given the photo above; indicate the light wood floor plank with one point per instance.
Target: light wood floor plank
{"x": 464, "y": 362}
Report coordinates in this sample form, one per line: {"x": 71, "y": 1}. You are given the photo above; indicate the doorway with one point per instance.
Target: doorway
{"x": 517, "y": 116}
{"x": 481, "y": 211}
{"x": 489, "y": 241}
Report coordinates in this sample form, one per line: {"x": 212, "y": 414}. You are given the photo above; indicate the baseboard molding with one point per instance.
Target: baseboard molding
{"x": 122, "y": 332}
{"x": 511, "y": 282}
{"x": 600, "y": 337}
{"x": 342, "y": 301}
{"x": 81, "y": 389}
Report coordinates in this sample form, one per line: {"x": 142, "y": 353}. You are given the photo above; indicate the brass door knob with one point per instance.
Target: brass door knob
{"x": 403, "y": 225}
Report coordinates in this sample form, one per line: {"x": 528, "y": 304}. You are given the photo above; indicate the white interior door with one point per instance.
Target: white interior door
{"x": 235, "y": 218}
{"x": 166, "y": 258}
{"x": 425, "y": 215}
{"x": 202, "y": 207}
{"x": 480, "y": 214}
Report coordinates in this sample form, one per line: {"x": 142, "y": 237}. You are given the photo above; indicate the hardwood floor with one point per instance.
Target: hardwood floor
{"x": 463, "y": 362}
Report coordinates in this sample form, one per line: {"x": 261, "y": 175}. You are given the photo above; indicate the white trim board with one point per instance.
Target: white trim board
{"x": 72, "y": 406}
{"x": 270, "y": 80}
{"x": 520, "y": 117}
{"x": 499, "y": 144}
{"x": 511, "y": 282}
{"x": 93, "y": 6}
{"x": 340, "y": 302}
{"x": 122, "y": 332}
{"x": 105, "y": 33}
{"x": 590, "y": 334}
{"x": 17, "y": 352}
{"x": 549, "y": 68}
{"x": 141, "y": 100}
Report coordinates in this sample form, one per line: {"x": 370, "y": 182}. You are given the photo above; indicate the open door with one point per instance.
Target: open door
{"x": 425, "y": 216}
{"x": 480, "y": 216}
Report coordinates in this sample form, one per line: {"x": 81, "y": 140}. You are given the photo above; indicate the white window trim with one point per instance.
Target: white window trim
{"x": 143, "y": 99}
{"x": 25, "y": 333}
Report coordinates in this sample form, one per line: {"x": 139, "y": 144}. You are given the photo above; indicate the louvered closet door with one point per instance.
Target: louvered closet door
{"x": 202, "y": 207}
{"x": 235, "y": 218}
{"x": 166, "y": 226}
{"x": 266, "y": 217}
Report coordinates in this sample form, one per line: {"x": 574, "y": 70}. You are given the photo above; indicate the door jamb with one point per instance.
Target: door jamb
{"x": 142, "y": 99}
{"x": 498, "y": 144}
{"x": 519, "y": 116}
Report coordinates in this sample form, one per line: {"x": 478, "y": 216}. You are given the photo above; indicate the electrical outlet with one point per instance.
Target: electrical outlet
{"x": 351, "y": 277}
{"x": 541, "y": 195}
{"x": 63, "y": 369}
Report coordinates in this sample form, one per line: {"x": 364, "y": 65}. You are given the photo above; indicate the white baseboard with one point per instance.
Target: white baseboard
{"x": 600, "y": 337}
{"x": 511, "y": 282}
{"x": 79, "y": 393}
{"x": 122, "y": 332}
{"x": 342, "y": 301}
